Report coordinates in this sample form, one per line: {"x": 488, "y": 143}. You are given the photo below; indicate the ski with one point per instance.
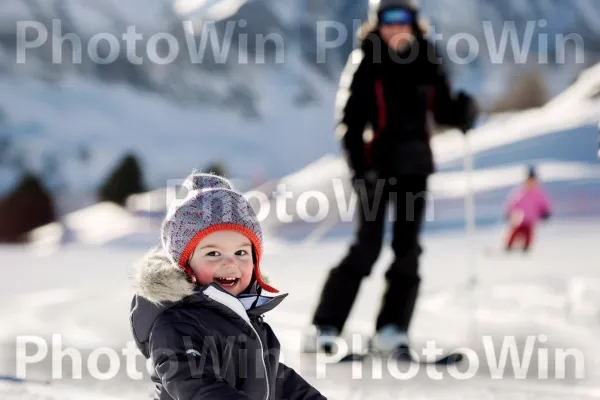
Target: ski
{"x": 448, "y": 359}
{"x": 14, "y": 379}
{"x": 493, "y": 252}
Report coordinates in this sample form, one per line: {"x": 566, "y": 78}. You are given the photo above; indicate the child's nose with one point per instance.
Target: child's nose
{"x": 229, "y": 262}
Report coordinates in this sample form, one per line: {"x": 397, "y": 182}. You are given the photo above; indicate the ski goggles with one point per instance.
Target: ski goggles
{"x": 396, "y": 16}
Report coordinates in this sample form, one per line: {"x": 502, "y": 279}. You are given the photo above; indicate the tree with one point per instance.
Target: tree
{"x": 125, "y": 180}
{"x": 528, "y": 90}
{"x": 27, "y": 207}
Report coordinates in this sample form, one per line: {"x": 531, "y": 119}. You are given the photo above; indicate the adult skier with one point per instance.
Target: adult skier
{"x": 388, "y": 91}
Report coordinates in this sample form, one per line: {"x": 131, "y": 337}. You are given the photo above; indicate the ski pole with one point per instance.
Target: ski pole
{"x": 470, "y": 227}
{"x": 598, "y": 139}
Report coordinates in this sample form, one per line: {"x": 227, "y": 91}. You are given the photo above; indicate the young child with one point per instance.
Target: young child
{"x": 525, "y": 207}
{"x": 197, "y": 312}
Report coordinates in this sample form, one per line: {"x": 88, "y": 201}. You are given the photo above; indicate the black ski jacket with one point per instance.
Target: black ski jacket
{"x": 205, "y": 343}
{"x": 384, "y": 104}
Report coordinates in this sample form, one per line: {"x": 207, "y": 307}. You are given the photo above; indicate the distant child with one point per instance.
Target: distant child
{"x": 198, "y": 312}
{"x": 525, "y": 207}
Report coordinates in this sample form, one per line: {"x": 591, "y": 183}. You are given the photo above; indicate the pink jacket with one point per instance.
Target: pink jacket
{"x": 532, "y": 204}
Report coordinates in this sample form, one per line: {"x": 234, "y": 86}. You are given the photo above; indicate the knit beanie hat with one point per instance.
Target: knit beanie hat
{"x": 206, "y": 204}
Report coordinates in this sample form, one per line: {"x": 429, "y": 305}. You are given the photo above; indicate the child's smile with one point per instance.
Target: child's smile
{"x": 224, "y": 257}
{"x": 227, "y": 283}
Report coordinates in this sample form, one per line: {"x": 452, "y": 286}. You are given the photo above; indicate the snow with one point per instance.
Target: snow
{"x": 517, "y": 127}
{"x": 98, "y": 224}
{"x": 171, "y": 137}
{"x": 551, "y": 293}
{"x": 209, "y": 10}
{"x": 91, "y": 17}
{"x": 590, "y": 13}
{"x": 224, "y": 9}
{"x": 584, "y": 89}
{"x": 43, "y": 392}
{"x": 545, "y": 292}
{"x": 452, "y": 184}
{"x": 186, "y": 7}
{"x": 79, "y": 288}
{"x": 16, "y": 11}
{"x": 144, "y": 14}
{"x": 560, "y": 140}
{"x": 115, "y": 119}
{"x": 112, "y": 120}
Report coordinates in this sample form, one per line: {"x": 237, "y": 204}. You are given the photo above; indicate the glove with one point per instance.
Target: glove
{"x": 468, "y": 110}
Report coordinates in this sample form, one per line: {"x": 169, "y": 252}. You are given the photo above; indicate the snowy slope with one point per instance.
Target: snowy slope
{"x": 560, "y": 139}
{"x": 576, "y": 108}
{"x": 547, "y": 292}
{"x": 543, "y": 293}
{"x": 561, "y": 145}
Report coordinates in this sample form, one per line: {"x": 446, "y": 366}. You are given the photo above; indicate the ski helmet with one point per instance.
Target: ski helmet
{"x": 376, "y": 6}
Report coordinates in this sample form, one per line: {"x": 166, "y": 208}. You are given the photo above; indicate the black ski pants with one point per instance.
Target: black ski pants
{"x": 407, "y": 196}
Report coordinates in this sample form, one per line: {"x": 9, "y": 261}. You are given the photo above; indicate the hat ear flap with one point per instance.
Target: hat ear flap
{"x": 254, "y": 258}
{"x": 261, "y": 280}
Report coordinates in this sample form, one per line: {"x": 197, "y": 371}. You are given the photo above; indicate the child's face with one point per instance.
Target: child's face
{"x": 530, "y": 183}
{"x": 224, "y": 257}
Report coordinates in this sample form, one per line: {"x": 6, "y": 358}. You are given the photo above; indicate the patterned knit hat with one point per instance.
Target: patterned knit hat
{"x": 207, "y": 204}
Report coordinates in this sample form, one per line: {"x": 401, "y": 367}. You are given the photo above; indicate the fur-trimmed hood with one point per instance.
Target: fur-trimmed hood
{"x": 160, "y": 285}
{"x": 158, "y": 280}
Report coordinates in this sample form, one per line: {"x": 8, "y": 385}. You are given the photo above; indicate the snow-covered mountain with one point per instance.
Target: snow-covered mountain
{"x": 73, "y": 121}
{"x": 261, "y": 119}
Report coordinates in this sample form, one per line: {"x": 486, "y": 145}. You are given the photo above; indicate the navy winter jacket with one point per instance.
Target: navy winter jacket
{"x": 205, "y": 343}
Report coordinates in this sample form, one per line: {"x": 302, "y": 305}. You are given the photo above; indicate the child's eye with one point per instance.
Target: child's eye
{"x": 213, "y": 254}
{"x": 241, "y": 253}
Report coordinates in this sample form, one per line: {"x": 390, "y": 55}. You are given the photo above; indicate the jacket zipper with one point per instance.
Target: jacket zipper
{"x": 262, "y": 352}
{"x": 262, "y": 348}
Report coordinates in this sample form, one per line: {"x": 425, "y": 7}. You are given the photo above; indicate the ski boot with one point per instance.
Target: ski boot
{"x": 320, "y": 339}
